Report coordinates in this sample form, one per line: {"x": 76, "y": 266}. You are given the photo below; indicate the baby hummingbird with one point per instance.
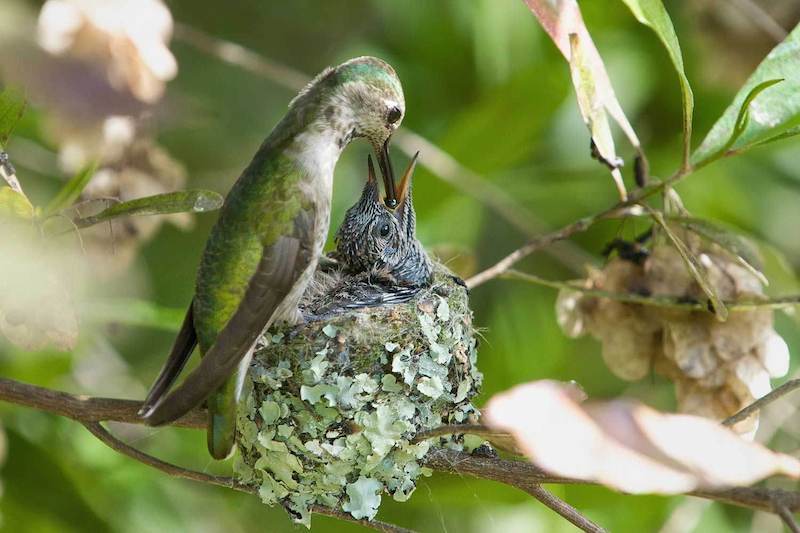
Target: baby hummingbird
{"x": 380, "y": 259}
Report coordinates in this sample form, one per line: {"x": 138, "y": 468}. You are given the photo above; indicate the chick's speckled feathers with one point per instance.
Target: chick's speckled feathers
{"x": 380, "y": 260}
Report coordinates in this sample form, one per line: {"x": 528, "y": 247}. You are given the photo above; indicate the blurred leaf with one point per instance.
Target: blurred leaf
{"x": 738, "y": 246}
{"x": 71, "y": 190}
{"x": 133, "y": 312}
{"x": 14, "y": 204}
{"x": 652, "y": 13}
{"x": 695, "y": 268}
{"x": 36, "y": 308}
{"x": 196, "y": 201}
{"x": 12, "y": 107}
{"x": 628, "y": 446}
{"x": 40, "y": 485}
{"x": 768, "y": 117}
{"x": 562, "y": 21}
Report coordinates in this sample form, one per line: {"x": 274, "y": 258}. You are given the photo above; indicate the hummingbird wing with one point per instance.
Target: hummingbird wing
{"x": 182, "y": 349}
{"x": 278, "y": 279}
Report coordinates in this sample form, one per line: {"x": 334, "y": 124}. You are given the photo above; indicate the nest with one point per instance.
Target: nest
{"x": 331, "y": 407}
{"x": 718, "y": 367}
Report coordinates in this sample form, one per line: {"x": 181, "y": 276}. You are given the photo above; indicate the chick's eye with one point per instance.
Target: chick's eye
{"x": 384, "y": 230}
{"x": 393, "y": 115}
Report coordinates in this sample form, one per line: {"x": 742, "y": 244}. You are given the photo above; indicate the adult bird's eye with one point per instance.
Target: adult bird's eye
{"x": 384, "y": 231}
{"x": 393, "y": 115}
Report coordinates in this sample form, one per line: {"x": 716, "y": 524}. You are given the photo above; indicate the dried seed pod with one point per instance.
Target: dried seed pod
{"x": 718, "y": 367}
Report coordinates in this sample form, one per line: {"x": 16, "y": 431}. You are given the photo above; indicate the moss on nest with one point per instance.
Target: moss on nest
{"x": 331, "y": 407}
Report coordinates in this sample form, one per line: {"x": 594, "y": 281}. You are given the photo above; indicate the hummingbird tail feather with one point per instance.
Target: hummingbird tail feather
{"x": 222, "y": 414}
{"x": 182, "y": 349}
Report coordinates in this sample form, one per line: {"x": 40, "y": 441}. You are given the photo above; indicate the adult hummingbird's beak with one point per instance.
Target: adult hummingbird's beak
{"x": 371, "y": 192}
{"x": 387, "y": 171}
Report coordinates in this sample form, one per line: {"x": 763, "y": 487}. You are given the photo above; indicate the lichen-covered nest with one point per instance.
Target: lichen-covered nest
{"x": 331, "y": 407}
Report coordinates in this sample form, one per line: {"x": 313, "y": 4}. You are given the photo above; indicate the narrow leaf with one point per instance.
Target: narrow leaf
{"x": 562, "y": 20}
{"x": 193, "y": 201}
{"x": 133, "y": 312}
{"x": 737, "y": 246}
{"x": 593, "y": 113}
{"x": 628, "y": 446}
{"x": 14, "y": 204}
{"x": 771, "y": 114}
{"x": 743, "y": 118}
{"x": 12, "y": 107}
{"x": 695, "y": 268}
{"x": 71, "y": 190}
{"x": 652, "y": 13}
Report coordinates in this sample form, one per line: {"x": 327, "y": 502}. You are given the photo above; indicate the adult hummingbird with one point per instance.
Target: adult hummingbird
{"x": 264, "y": 248}
{"x": 379, "y": 257}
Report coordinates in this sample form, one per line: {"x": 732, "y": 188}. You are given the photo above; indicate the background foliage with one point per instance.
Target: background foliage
{"x": 483, "y": 82}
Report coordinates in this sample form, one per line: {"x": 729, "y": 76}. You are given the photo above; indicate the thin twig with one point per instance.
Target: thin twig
{"x": 117, "y": 445}
{"x": 762, "y": 402}
{"x": 538, "y": 243}
{"x": 521, "y": 474}
{"x": 756, "y": 14}
{"x": 435, "y": 159}
{"x": 83, "y": 408}
{"x": 564, "y": 509}
{"x": 621, "y": 209}
{"x": 673, "y": 302}
{"x": 788, "y": 518}
{"x": 453, "y": 429}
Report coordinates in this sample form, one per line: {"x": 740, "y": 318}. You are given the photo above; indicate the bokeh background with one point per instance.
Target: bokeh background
{"x": 484, "y": 83}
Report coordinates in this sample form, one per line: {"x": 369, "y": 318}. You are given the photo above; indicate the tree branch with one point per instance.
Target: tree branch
{"x": 523, "y": 475}
{"x": 83, "y": 408}
{"x": 564, "y": 509}
{"x": 762, "y": 402}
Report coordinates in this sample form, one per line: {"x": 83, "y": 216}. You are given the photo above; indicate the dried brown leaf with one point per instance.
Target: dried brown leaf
{"x": 628, "y": 446}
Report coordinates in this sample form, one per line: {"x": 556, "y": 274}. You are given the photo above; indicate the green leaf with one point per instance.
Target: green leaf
{"x": 14, "y": 204}
{"x": 693, "y": 265}
{"x": 791, "y": 132}
{"x": 652, "y": 13}
{"x": 737, "y": 246}
{"x": 71, "y": 190}
{"x": 134, "y": 312}
{"x": 12, "y": 107}
{"x": 194, "y": 201}
{"x": 743, "y": 118}
{"x": 772, "y": 114}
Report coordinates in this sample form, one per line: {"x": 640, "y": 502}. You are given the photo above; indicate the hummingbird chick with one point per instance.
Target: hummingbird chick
{"x": 380, "y": 259}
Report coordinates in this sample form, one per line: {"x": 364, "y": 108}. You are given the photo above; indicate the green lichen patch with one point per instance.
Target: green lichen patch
{"x": 331, "y": 407}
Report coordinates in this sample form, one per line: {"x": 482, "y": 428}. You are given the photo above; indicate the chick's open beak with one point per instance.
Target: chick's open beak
{"x": 401, "y": 192}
